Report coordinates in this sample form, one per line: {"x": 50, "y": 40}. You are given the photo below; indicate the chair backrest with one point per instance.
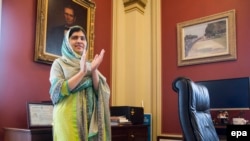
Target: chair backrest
{"x": 194, "y": 110}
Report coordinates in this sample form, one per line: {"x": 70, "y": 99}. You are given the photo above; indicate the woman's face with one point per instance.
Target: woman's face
{"x": 78, "y": 42}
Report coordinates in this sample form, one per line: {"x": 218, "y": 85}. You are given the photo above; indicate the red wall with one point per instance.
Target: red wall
{"x": 176, "y": 11}
{"x": 24, "y": 80}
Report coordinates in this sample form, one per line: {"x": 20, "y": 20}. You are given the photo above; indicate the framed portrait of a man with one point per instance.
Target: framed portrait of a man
{"x": 54, "y": 18}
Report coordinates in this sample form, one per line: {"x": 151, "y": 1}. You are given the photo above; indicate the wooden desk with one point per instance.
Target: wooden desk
{"x": 119, "y": 133}
{"x": 221, "y": 131}
{"x": 17, "y": 134}
{"x": 130, "y": 133}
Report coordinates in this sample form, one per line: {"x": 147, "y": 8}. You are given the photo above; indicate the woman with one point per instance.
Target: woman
{"x": 79, "y": 93}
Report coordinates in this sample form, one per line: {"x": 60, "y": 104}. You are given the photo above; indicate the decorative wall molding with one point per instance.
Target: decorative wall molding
{"x": 127, "y": 39}
{"x": 132, "y": 5}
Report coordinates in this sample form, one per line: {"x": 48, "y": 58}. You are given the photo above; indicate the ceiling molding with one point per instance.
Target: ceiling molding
{"x": 131, "y": 5}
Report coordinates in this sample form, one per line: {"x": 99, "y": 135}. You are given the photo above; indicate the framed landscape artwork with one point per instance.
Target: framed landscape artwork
{"x": 207, "y": 39}
{"x": 54, "y": 17}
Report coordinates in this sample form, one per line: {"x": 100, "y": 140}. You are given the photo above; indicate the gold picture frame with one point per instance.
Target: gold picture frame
{"x": 207, "y": 39}
{"x": 49, "y": 15}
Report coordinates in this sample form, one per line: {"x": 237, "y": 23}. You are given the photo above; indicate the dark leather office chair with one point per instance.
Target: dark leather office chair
{"x": 194, "y": 111}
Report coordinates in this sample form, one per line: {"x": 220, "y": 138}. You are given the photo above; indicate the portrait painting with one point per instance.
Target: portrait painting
{"x": 61, "y": 16}
{"x": 54, "y": 18}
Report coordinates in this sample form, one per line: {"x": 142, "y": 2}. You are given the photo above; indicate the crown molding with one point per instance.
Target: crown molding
{"x": 131, "y": 5}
